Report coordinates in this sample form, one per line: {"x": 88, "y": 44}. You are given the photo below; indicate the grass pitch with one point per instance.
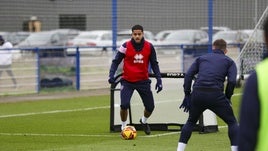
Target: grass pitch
{"x": 82, "y": 124}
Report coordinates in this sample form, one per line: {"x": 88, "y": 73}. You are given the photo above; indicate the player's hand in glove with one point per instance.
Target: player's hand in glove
{"x": 186, "y": 103}
{"x": 111, "y": 80}
{"x": 158, "y": 86}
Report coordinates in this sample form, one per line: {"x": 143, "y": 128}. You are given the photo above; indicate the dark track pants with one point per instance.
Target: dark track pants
{"x": 144, "y": 90}
{"x": 215, "y": 101}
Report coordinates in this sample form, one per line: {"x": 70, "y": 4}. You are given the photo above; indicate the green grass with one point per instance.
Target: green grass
{"x": 71, "y": 129}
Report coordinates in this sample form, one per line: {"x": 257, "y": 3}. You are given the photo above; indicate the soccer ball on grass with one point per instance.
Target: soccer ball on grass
{"x": 129, "y": 133}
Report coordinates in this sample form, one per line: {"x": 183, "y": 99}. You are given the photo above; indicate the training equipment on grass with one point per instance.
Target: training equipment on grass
{"x": 129, "y": 133}
{"x": 166, "y": 115}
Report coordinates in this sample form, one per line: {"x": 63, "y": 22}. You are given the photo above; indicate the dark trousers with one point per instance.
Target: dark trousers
{"x": 144, "y": 90}
{"x": 215, "y": 101}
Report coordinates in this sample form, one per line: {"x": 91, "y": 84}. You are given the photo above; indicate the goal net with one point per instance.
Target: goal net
{"x": 254, "y": 49}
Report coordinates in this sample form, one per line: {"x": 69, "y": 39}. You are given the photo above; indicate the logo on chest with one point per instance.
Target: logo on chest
{"x": 138, "y": 58}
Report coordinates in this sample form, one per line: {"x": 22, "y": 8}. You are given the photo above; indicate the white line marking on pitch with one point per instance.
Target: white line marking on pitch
{"x": 73, "y": 110}
{"x": 237, "y": 94}
{"x": 54, "y": 135}
{"x": 55, "y": 111}
{"x": 78, "y": 135}
{"x": 172, "y": 133}
{"x": 164, "y": 134}
{"x": 89, "y": 135}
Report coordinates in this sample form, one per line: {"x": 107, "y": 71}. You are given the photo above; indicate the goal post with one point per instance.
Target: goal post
{"x": 253, "y": 51}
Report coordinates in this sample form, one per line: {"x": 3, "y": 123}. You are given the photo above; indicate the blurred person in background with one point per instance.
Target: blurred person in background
{"x": 253, "y": 132}
{"x": 208, "y": 92}
{"x": 6, "y": 59}
{"x": 136, "y": 54}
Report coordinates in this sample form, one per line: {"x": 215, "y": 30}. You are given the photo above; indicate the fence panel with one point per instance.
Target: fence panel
{"x": 155, "y": 16}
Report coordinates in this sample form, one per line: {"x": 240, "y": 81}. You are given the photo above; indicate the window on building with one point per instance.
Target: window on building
{"x": 77, "y": 21}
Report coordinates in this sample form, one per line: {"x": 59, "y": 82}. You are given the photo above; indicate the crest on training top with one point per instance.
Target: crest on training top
{"x": 138, "y": 58}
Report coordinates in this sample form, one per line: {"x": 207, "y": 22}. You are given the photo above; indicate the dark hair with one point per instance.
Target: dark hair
{"x": 220, "y": 44}
{"x": 137, "y": 27}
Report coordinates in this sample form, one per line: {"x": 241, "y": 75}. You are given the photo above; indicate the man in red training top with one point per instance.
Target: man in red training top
{"x": 137, "y": 54}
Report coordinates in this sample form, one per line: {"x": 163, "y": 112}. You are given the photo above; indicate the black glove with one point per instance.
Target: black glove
{"x": 111, "y": 80}
{"x": 186, "y": 103}
{"x": 158, "y": 86}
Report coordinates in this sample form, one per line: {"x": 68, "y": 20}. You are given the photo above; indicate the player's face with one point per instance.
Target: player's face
{"x": 137, "y": 35}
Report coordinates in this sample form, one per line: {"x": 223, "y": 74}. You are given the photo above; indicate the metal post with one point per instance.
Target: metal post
{"x": 210, "y": 25}
{"x": 77, "y": 71}
{"x": 114, "y": 23}
{"x": 38, "y": 81}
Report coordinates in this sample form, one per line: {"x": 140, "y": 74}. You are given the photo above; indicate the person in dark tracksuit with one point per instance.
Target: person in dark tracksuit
{"x": 253, "y": 129}
{"x": 137, "y": 54}
{"x": 211, "y": 71}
